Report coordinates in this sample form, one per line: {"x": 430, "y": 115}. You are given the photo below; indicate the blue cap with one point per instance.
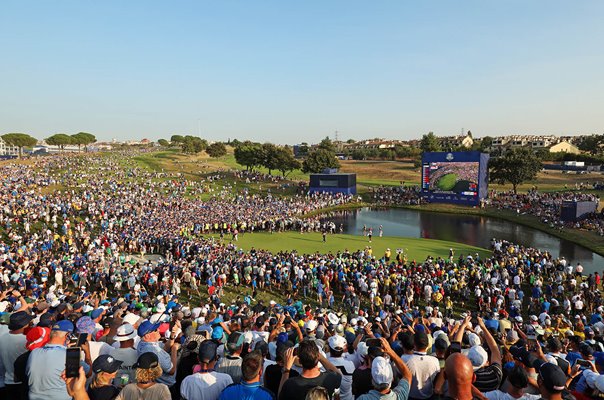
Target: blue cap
{"x": 147, "y": 327}
{"x": 282, "y": 337}
{"x": 94, "y": 314}
{"x": 63, "y": 326}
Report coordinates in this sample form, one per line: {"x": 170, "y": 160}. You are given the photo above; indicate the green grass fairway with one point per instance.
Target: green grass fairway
{"x": 447, "y": 182}
{"x": 308, "y": 243}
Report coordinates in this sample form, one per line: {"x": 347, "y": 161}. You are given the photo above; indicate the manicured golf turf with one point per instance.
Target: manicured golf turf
{"x": 307, "y": 243}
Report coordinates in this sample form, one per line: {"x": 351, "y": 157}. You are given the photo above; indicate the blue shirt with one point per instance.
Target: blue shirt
{"x": 164, "y": 360}
{"x": 44, "y": 368}
{"x": 246, "y": 391}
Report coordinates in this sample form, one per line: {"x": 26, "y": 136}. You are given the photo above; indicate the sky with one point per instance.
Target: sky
{"x": 290, "y": 72}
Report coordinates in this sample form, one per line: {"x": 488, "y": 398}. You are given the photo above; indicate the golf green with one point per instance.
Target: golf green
{"x": 308, "y": 243}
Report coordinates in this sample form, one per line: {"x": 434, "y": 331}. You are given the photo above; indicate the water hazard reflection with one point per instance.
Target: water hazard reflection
{"x": 468, "y": 229}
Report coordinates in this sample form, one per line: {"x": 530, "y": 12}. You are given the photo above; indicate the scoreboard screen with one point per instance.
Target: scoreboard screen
{"x": 456, "y": 177}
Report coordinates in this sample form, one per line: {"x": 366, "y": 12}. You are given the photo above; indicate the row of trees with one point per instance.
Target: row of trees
{"x": 254, "y": 155}
{"x": 22, "y": 140}
{"x": 194, "y": 144}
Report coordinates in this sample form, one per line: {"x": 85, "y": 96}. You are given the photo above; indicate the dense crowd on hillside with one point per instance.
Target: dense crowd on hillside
{"x": 354, "y": 324}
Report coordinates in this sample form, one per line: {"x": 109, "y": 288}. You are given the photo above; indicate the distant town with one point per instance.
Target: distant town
{"x": 496, "y": 144}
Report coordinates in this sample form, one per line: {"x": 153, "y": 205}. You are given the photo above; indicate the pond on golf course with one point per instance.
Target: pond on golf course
{"x": 469, "y": 229}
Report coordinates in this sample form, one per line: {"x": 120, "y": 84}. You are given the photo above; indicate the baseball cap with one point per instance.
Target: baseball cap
{"x": 381, "y": 371}
{"x": 478, "y": 356}
{"x": 311, "y": 325}
{"x": 552, "y": 376}
{"x": 336, "y": 342}
{"x": 362, "y": 349}
{"x": 94, "y": 314}
{"x": 19, "y": 320}
{"x": 147, "y": 327}
{"x": 282, "y": 337}
{"x": 147, "y": 361}
{"x": 63, "y": 326}
{"x": 473, "y": 339}
{"x": 235, "y": 341}
{"x": 37, "y": 337}
{"x": 105, "y": 363}
{"x": 511, "y": 337}
{"x": 85, "y": 325}
{"x": 125, "y": 332}
{"x": 207, "y": 351}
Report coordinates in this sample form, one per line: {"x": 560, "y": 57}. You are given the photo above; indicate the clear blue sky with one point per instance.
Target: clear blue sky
{"x": 288, "y": 72}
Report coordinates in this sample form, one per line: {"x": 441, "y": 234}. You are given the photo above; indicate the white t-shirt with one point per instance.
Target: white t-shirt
{"x": 424, "y": 369}
{"x": 207, "y": 386}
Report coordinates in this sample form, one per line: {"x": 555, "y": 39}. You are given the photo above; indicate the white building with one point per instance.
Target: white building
{"x": 7, "y": 149}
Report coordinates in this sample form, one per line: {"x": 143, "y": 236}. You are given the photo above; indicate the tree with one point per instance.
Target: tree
{"x": 285, "y": 160}
{"x": 318, "y": 160}
{"x": 591, "y": 143}
{"x": 269, "y": 157}
{"x": 20, "y": 140}
{"x": 249, "y": 155}
{"x": 177, "y": 139}
{"x": 351, "y": 141}
{"x": 59, "y": 139}
{"x": 430, "y": 142}
{"x": 327, "y": 144}
{"x": 486, "y": 143}
{"x": 193, "y": 144}
{"x": 515, "y": 166}
{"x": 163, "y": 142}
{"x": 83, "y": 138}
{"x": 216, "y": 150}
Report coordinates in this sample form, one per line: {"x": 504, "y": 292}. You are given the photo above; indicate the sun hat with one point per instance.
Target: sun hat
{"x": 125, "y": 332}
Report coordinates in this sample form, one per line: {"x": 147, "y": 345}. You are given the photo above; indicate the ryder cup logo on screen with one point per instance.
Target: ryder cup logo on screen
{"x": 449, "y": 156}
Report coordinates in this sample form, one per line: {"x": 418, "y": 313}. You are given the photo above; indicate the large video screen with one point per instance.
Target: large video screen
{"x": 451, "y": 177}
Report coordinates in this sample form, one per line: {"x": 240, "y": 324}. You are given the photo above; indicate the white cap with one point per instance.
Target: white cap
{"x": 160, "y": 308}
{"x": 362, "y": 349}
{"x": 473, "y": 339}
{"x": 534, "y": 318}
{"x": 131, "y": 318}
{"x": 272, "y": 302}
{"x": 381, "y": 371}
{"x": 518, "y": 318}
{"x": 311, "y": 325}
{"x": 333, "y": 319}
{"x": 353, "y": 322}
{"x": 336, "y": 342}
{"x": 478, "y": 356}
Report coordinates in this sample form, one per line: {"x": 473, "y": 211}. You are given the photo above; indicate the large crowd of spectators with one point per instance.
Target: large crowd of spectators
{"x": 354, "y": 324}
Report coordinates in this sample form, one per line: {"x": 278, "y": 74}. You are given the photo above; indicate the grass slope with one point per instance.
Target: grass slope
{"x": 308, "y": 243}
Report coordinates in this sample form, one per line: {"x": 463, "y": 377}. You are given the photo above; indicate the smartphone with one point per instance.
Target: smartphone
{"x": 72, "y": 362}
{"x": 81, "y": 339}
{"x": 373, "y": 343}
{"x": 584, "y": 363}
